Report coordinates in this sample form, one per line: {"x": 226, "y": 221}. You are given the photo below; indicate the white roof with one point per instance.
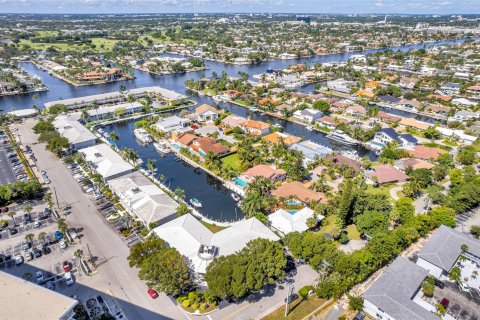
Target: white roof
{"x": 287, "y": 222}
{"x": 68, "y": 126}
{"x": 25, "y": 300}
{"x": 110, "y": 109}
{"x": 165, "y": 93}
{"x": 146, "y": 200}
{"x": 86, "y": 99}
{"x": 187, "y": 234}
{"x": 106, "y": 161}
{"x": 24, "y": 113}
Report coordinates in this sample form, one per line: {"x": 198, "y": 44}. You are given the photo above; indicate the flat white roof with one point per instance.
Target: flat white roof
{"x": 85, "y": 99}
{"x": 69, "y": 127}
{"x": 110, "y": 109}
{"x": 21, "y": 299}
{"x": 187, "y": 234}
{"x": 106, "y": 161}
{"x": 24, "y": 113}
{"x": 165, "y": 93}
{"x": 287, "y": 222}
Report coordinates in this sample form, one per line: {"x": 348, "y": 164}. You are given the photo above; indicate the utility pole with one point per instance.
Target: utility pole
{"x": 289, "y": 293}
{"x": 56, "y": 198}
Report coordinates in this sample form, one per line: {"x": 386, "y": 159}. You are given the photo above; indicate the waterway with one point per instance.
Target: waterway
{"x": 216, "y": 200}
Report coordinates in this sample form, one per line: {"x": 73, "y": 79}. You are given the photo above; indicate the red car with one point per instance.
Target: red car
{"x": 67, "y": 266}
{"x": 445, "y": 302}
{"x": 3, "y": 209}
{"x": 153, "y": 294}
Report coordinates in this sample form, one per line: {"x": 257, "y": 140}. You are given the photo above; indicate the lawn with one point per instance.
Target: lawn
{"x": 232, "y": 161}
{"x": 328, "y": 224}
{"x": 299, "y": 309}
{"x": 212, "y": 227}
{"x": 243, "y": 103}
{"x": 352, "y": 232}
{"x": 383, "y": 189}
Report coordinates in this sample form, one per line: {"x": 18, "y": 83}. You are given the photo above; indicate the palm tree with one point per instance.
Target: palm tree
{"x": 151, "y": 165}
{"x": 29, "y": 237}
{"x": 261, "y": 186}
{"x": 84, "y": 116}
{"x": 253, "y": 203}
{"x": 78, "y": 253}
{"x": 183, "y": 209}
{"x": 179, "y": 193}
{"x": 114, "y": 137}
{"x": 12, "y": 214}
{"x": 41, "y": 236}
{"x": 62, "y": 225}
{"x": 213, "y": 162}
{"x": 28, "y": 209}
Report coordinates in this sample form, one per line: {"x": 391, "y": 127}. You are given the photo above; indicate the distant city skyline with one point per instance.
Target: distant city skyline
{"x": 242, "y": 6}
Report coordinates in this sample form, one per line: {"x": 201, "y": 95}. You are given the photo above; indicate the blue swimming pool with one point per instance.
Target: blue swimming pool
{"x": 292, "y": 202}
{"x": 176, "y": 146}
{"x": 203, "y": 154}
{"x": 240, "y": 182}
{"x": 292, "y": 212}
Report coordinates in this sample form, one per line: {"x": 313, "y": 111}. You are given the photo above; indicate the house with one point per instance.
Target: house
{"x": 113, "y": 111}
{"x": 233, "y": 121}
{"x": 264, "y": 171}
{"x": 387, "y": 117}
{"x": 385, "y": 101}
{"x": 441, "y": 252}
{"x": 298, "y": 191}
{"x": 311, "y": 151}
{"x": 173, "y": 123}
{"x": 464, "y": 115}
{"x": 285, "y": 108}
{"x": 411, "y": 122}
{"x": 328, "y": 122}
{"x": 254, "y": 127}
{"x": 426, "y": 153}
{"x": 22, "y": 299}
{"x": 276, "y": 137}
{"x": 98, "y": 99}
{"x": 287, "y": 221}
{"x": 457, "y": 134}
{"x": 437, "y": 109}
{"x": 68, "y": 126}
{"x": 463, "y": 102}
{"x": 407, "y": 83}
{"x": 385, "y": 173}
{"x": 171, "y": 98}
{"x": 143, "y": 199}
{"x": 206, "y": 113}
{"x": 451, "y": 88}
{"x": 307, "y": 115}
{"x": 340, "y": 160}
{"x": 186, "y": 139}
{"x": 387, "y": 135}
{"x": 411, "y": 105}
{"x": 365, "y": 93}
{"x": 356, "y": 110}
{"x": 396, "y": 294}
{"x": 200, "y": 246}
{"x": 204, "y": 145}
{"x": 106, "y": 162}
{"x": 413, "y": 163}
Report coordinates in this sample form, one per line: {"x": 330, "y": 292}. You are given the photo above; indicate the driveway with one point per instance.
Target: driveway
{"x": 463, "y": 305}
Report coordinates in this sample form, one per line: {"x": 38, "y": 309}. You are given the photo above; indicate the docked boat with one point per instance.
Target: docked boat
{"x": 236, "y": 197}
{"x": 142, "y": 136}
{"x": 196, "y": 203}
{"x": 352, "y": 154}
{"x": 342, "y": 138}
{"x": 310, "y": 128}
{"x": 161, "y": 148}
{"x": 254, "y": 109}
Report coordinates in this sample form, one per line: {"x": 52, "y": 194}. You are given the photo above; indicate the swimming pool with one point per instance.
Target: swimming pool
{"x": 240, "y": 182}
{"x": 176, "y": 146}
{"x": 292, "y": 212}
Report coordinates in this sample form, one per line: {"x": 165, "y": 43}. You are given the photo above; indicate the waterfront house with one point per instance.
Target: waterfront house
{"x": 173, "y": 123}
{"x": 339, "y": 160}
{"x": 254, "y": 127}
{"x": 276, "y": 137}
{"x": 385, "y": 173}
{"x": 282, "y": 108}
{"x": 413, "y": 163}
{"x": 206, "y": 113}
{"x": 264, "y": 171}
{"x": 186, "y": 139}
{"x": 307, "y": 115}
{"x": 204, "y": 145}
{"x": 233, "y": 121}
{"x": 388, "y": 101}
{"x": 292, "y": 221}
{"x": 388, "y": 135}
{"x": 356, "y": 110}
{"x": 297, "y": 193}
{"x": 106, "y": 162}
{"x": 387, "y": 117}
{"x": 108, "y": 75}
{"x": 426, "y": 153}
{"x": 200, "y": 246}
{"x": 410, "y": 105}
{"x": 143, "y": 199}
{"x": 464, "y": 115}
{"x": 311, "y": 151}
{"x": 411, "y": 122}
{"x": 69, "y": 127}
{"x": 171, "y": 98}
{"x": 113, "y": 111}
{"x": 328, "y": 122}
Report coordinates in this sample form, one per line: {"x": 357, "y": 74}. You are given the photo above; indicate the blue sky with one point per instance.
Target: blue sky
{"x": 304, "y": 6}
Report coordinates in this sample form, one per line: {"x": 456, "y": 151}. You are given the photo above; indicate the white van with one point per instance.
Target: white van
{"x": 68, "y": 278}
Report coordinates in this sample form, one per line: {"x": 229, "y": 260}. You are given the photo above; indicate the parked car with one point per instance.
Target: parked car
{"x": 27, "y": 218}
{"x": 37, "y": 224}
{"x": 58, "y": 235}
{"x": 46, "y": 250}
{"x": 18, "y": 260}
{"x": 29, "y": 256}
{"x": 67, "y": 266}
{"x": 68, "y": 278}
{"x": 63, "y": 245}
{"x": 153, "y": 294}
{"x": 26, "y": 245}
{"x": 37, "y": 253}
{"x": 13, "y": 231}
{"x": 3, "y": 209}
{"x": 445, "y": 302}
{"x": 359, "y": 316}
{"x": 49, "y": 285}
{"x": 464, "y": 286}
{"x": 439, "y": 283}
{"x": 40, "y": 277}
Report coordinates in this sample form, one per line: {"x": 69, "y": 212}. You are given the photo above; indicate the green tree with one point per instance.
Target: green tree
{"x": 466, "y": 155}
{"x": 355, "y": 303}
{"x": 455, "y": 274}
{"x": 443, "y": 215}
{"x": 62, "y": 225}
{"x": 183, "y": 209}
{"x": 405, "y": 209}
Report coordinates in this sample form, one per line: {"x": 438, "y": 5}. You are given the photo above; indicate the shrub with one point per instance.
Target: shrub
{"x": 186, "y": 303}
{"x": 355, "y": 303}
{"x": 343, "y": 238}
{"x": 303, "y": 292}
{"x": 428, "y": 287}
{"x": 475, "y": 231}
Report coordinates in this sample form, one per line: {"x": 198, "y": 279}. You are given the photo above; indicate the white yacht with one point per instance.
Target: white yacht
{"x": 161, "y": 148}
{"x": 342, "y": 138}
{"x": 310, "y": 128}
{"x": 142, "y": 136}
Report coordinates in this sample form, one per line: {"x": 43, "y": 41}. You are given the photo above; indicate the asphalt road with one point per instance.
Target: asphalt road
{"x": 6, "y": 172}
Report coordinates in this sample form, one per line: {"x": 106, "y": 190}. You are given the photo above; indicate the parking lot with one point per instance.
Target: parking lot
{"x": 6, "y": 172}
{"x": 462, "y": 305}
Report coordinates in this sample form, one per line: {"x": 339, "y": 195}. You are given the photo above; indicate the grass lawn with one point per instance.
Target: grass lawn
{"x": 243, "y": 103}
{"x": 232, "y": 160}
{"x": 209, "y": 92}
{"x": 328, "y": 224}
{"x": 212, "y": 227}
{"x": 383, "y": 189}
{"x": 108, "y": 44}
{"x": 299, "y": 309}
{"x": 352, "y": 232}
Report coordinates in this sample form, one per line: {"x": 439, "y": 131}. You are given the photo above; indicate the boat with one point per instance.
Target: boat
{"x": 196, "y": 203}
{"x": 161, "y": 148}
{"x": 352, "y": 154}
{"x": 342, "y": 138}
{"x": 254, "y": 109}
{"x": 236, "y": 197}
{"x": 200, "y": 93}
{"x": 142, "y": 136}
{"x": 310, "y": 128}
{"x": 217, "y": 99}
